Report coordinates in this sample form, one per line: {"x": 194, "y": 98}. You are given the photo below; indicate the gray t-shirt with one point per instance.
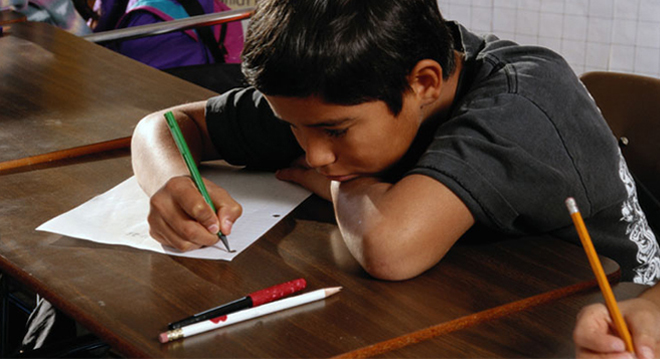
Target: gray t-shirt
{"x": 523, "y": 134}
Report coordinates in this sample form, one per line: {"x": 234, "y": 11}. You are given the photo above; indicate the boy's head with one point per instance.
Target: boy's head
{"x": 344, "y": 52}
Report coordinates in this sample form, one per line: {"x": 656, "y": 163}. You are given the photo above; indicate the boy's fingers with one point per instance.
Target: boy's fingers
{"x": 307, "y": 178}
{"x": 177, "y": 229}
{"x": 290, "y": 174}
{"x": 191, "y": 201}
{"x": 228, "y": 210}
{"x": 163, "y": 233}
{"x": 643, "y": 325}
{"x": 587, "y": 354}
{"x": 172, "y": 215}
{"x": 641, "y": 329}
{"x": 592, "y": 331}
{"x": 300, "y": 162}
{"x": 645, "y": 351}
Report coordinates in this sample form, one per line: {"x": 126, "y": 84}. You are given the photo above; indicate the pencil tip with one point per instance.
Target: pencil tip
{"x": 224, "y": 240}
{"x": 332, "y": 290}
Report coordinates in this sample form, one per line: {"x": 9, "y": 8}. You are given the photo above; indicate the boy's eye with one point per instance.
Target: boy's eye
{"x": 335, "y": 132}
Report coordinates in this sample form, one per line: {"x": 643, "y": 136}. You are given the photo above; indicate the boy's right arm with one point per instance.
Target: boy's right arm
{"x": 178, "y": 215}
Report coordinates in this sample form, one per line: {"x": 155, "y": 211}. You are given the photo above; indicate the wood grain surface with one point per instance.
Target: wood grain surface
{"x": 59, "y": 91}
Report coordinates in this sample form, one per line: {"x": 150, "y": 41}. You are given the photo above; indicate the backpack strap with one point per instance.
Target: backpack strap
{"x": 217, "y": 50}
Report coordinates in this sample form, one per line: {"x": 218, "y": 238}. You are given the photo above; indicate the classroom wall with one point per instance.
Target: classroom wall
{"x": 606, "y": 35}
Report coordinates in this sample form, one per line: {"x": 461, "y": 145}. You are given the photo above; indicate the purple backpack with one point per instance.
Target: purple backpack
{"x": 216, "y": 44}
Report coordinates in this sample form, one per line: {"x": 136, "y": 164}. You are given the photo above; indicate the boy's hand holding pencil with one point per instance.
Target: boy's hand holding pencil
{"x": 180, "y": 218}
{"x": 595, "y": 338}
{"x": 602, "y": 330}
{"x": 189, "y": 212}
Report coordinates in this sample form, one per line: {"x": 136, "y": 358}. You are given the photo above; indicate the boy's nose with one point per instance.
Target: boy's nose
{"x": 319, "y": 153}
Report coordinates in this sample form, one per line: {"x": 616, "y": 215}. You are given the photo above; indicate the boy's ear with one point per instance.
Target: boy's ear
{"x": 426, "y": 80}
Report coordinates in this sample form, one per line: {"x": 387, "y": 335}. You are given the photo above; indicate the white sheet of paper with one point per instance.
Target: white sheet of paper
{"x": 119, "y": 216}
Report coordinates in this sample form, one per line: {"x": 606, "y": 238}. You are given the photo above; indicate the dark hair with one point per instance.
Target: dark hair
{"x": 345, "y": 52}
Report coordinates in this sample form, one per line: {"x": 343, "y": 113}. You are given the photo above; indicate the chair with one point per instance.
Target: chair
{"x": 631, "y": 106}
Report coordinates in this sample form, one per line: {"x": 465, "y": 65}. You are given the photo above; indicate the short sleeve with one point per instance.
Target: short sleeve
{"x": 508, "y": 162}
{"x": 245, "y": 131}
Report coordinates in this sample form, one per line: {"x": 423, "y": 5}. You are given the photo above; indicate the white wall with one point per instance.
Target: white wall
{"x": 610, "y": 35}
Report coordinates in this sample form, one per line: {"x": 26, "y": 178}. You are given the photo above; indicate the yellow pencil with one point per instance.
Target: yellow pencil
{"x": 597, "y": 267}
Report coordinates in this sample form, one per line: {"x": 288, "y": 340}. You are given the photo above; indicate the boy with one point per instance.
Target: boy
{"x": 416, "y": 129}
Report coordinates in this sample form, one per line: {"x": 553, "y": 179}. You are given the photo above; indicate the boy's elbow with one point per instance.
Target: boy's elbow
{"x": 385, "y": 270}
{"x": 145, "y": 132}
{"x": 389, "y": 255}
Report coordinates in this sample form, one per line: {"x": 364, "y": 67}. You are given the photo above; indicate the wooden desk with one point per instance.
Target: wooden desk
{"x": 544, "y": 331}
{"x": 8, "y": 17}
{"x": 60, "y": 91}
{"x": 67, "y": 92}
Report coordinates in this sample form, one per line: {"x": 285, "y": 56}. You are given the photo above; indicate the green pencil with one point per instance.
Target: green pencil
{"x": 192, "y": 167}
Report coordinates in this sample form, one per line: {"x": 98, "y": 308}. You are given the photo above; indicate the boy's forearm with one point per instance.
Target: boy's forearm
{"x": 358, "y": 210}
{"x": 155, "y": 157}
{"x": 391, "y": 229}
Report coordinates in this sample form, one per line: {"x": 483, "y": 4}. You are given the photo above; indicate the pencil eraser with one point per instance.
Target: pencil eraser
{"x": 277, "y": 292}
{"x": 571, "y": 205}
{"x": 163, "y": 338}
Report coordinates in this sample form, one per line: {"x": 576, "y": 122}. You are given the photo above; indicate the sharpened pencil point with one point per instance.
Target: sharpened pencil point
{"x": 223, "y": 238}
{"x": 331, "y": 291}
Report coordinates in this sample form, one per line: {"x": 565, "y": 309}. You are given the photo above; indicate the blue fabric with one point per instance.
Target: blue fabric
{"x": 174, "y": 10}
{"x": 60, "y": 13}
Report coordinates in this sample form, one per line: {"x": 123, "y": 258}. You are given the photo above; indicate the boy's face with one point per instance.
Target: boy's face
{"x": 345, "y": 142}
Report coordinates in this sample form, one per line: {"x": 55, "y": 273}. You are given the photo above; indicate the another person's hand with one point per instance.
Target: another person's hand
{"x": 595, "y": 337}
{"x": 180, "y": 217}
